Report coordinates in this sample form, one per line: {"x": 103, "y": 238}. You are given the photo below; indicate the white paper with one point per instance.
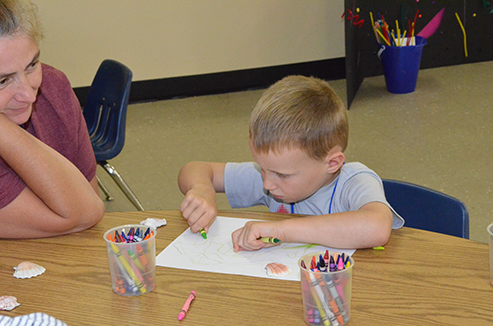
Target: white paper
{"x": 216, "y": 254}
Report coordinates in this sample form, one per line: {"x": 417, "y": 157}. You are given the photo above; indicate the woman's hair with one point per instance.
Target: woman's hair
{"x": 299, "y": 112}
{"x": 19, "y": 17}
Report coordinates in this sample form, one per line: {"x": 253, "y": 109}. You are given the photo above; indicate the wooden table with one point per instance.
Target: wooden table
{"x": 420, "y": 278}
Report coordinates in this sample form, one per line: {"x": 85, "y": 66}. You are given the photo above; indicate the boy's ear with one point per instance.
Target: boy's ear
{"x": 335, "y": 160}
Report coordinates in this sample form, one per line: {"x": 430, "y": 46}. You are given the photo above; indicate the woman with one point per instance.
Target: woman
{"x": 48, "y": 181}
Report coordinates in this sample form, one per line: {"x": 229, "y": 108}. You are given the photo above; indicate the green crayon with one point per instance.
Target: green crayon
{"x": 270, "y": 240}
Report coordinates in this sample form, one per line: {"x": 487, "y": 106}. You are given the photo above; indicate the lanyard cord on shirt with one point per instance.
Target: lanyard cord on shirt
{"x": 331, "y": 199}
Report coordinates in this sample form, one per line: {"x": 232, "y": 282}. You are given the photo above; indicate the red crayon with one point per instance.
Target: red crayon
{"x": 313, "y": 264}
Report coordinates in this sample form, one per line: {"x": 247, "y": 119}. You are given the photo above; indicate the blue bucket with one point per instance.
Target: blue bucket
{"x": 401, "y": 65}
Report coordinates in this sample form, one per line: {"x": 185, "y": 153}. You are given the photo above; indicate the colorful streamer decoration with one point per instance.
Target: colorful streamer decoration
{"x": 463, "y": 32}
{"x": 355, "y": 18}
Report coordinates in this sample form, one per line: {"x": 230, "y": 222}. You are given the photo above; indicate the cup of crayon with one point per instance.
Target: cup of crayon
{"x": 132, "y": 259}
{"x": 490, "y": 236}
{"x": 326, "y": 283}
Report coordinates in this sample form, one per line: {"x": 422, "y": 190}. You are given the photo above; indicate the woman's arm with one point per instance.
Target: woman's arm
{"x": 58, "y": 198}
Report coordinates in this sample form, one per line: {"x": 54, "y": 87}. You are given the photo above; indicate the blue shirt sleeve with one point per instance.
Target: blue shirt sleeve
{"x": 243, "y": 185}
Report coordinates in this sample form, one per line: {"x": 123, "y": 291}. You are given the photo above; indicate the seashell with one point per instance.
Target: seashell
{"x": 8, "y": 303}
{"x": 27, "y": 269}
{"x": 277, "y": 270}
{"x": 154, "y": 222}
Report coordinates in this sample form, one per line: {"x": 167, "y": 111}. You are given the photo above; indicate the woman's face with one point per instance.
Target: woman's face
{"x": 20, "y": 77}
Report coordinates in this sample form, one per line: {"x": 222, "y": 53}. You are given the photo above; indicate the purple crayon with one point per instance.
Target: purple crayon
{"x": 332, "y": 264}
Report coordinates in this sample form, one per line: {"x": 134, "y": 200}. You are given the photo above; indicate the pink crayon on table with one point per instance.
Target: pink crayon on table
{"x": 185, "y": 307}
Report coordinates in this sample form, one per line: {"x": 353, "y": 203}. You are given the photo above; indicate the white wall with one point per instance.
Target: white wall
{"x": 169, "y": 38}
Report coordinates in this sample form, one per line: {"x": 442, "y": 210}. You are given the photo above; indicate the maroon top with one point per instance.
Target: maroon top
{"x": 57, "y": 121}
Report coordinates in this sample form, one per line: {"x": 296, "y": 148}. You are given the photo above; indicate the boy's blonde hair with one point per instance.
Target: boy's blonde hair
{"x": 299, "y": 112}
{"x": 19, "y": 17}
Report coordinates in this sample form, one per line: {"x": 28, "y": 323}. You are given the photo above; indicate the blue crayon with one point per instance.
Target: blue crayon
{"x": 323, "y": 267}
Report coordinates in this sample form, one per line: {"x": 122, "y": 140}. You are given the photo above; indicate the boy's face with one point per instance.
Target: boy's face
{"x": 291, "y": 175}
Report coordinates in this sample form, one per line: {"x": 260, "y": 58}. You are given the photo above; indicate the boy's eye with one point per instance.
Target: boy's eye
{"x": 282, "y": 176}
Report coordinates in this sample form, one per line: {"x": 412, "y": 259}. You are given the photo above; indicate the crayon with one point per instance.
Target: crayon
{"x": 336, "y": 297}
{"x": 186, "y": 306}
{"x": 135, "y": 269}
{"x": 127, "y": 268}
{"x": 119, "y": 285}
{"x": 318, "y": 297}
{"x": 333, "y": 312}
{"x": 313, "y": 264}
{"x": 130, "y": 235}
{"x": 305, "y": 288}
{"x": 135, "y": 259}
{"x": 131, "y": 286}
{"x": 340, "y": 263}
{"x": 203, "y": 233}
{"x": 332, "y": 264}
{"x": 270, "y": 240}
{"x": 143, "y": 259}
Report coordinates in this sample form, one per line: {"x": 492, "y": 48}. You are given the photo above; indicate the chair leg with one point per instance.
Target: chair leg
{"x": 105, "y": 190}
{"x": 123, "y": 186}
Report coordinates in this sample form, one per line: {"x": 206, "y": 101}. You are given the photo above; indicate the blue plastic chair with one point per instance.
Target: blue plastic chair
{"x": 105, "y": 113}
{"x": 427, "y": 209}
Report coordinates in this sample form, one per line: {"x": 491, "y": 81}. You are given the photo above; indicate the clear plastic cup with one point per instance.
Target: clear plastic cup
{"x": 326, "y": 294}
{"x": 133, "y": 262}
{"x": 490, "y": 232}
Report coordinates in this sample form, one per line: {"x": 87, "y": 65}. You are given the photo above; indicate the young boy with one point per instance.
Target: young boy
{"x": 298, "y": 133}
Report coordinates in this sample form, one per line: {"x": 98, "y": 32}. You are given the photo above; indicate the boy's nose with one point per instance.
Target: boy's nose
{"x": 268, "y": 184}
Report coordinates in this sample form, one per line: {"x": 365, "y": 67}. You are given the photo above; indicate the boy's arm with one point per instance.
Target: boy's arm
{"x": 199, "y": 182}
{"x": 368, "y": 227}
{"x": 58, "y": 198}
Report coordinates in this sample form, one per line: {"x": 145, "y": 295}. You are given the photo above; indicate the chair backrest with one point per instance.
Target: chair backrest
{"x": 427, "y": 209}
{"x": 105, "y": 111}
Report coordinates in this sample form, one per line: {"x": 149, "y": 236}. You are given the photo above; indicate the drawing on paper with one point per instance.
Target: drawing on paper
{"x": 216, "y": 254}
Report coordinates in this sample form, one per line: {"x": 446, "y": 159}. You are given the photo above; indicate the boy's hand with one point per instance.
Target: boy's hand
{"x": 248, "y": 237}
{"x": 199, "y": 207}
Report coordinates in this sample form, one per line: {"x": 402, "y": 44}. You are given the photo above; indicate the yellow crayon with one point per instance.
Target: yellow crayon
{"x": 135, "y": 259}
{"x": 316, "y": 298}
{"x": 128, "y": 269}
{"x": 270, "y": 240}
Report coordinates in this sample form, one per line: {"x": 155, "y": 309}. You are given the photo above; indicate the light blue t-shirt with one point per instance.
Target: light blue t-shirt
{"x": 355, "y": 186}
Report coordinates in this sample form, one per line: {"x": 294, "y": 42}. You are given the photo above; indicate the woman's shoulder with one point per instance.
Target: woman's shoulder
{"x": 55, "y": 88}
{"x": 52, "y": 75}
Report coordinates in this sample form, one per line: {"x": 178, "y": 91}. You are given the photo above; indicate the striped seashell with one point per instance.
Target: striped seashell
{"x": 277, "y": 270}
{"x": 8, "y": 303}
{"x": 27, "y": 269}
